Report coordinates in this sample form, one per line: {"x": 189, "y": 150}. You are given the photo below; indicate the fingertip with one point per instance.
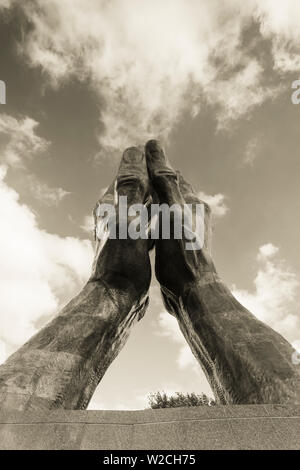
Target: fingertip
{"x": 153, "y": 145}
{"x": 133, "y": 155}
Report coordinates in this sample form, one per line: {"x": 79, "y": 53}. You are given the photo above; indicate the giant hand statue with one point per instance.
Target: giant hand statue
{"x": 244, "y": 360}
{"x": 61, "y": 366}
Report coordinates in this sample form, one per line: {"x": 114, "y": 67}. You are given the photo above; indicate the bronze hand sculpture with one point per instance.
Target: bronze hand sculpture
{"x": 61, "y": 366}
{"x": 244, "y": 360}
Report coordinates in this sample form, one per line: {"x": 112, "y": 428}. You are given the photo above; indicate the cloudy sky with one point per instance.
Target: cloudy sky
{"x": 211, "y": 79}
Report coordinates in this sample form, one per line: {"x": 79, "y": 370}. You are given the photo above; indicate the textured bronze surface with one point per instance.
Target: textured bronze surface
{"x": 61, "y": 366}
{"x": 244, "y": 360}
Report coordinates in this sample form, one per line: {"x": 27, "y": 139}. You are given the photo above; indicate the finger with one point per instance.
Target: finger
{"x": 190, "y": 196}
{"x": 131, "y": 182}
{"x": 132, "y": 178}
{"x": 162, "y": 176}
{"x": 171, "y": 188}
{"x": 120, "y": 258}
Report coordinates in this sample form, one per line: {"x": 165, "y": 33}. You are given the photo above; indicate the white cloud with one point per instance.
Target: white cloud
{"x": 267, "y": 251}
{"x": 5, "y": 3}
{"x": 19, "y": 145}
{"x": 251, "y": 151}
{"x": 170, "y": 329}
{"x": 3, "y": 354}
{"x": 39, "y": 270}
{"x": 88, "y": 224}
{"x": 21, "y": 142}
{"x": 44, "y": 193}
{"x": 150, "y": 61}
{"x": 273, "y": 299}
{"x": 240, "y": 94}
{"x": 216, "y": 203}
{"x": 279, "y": 22}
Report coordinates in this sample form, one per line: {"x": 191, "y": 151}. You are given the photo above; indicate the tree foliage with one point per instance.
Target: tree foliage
{"x": 162, "y": 400}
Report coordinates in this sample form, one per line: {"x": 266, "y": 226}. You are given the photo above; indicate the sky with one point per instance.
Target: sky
{"x": 213, "y": 81}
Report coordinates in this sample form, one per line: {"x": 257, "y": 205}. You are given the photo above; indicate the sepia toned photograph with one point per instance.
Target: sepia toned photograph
{"x": 149, "y": 228}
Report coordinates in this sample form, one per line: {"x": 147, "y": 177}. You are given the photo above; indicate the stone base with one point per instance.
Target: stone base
{"x": 219, "y": 427}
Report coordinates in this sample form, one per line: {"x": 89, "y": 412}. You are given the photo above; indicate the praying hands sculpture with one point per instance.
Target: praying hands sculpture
{"x": 244, "y": 360}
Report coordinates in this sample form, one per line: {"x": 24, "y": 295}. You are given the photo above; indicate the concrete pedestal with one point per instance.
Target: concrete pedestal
{"x": 219, "y": 427}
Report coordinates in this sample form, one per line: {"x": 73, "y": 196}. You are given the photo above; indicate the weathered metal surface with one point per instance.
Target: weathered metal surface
{"x": 245, "y": 361}
{"x": 61, "y": 366}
